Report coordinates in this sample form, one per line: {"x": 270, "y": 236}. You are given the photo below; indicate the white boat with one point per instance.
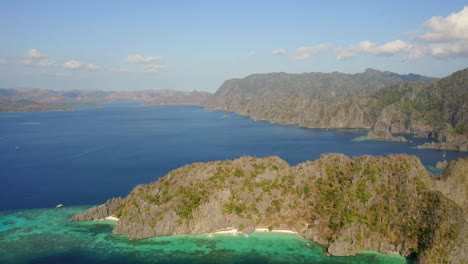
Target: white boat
{"x": 59, "y": 205}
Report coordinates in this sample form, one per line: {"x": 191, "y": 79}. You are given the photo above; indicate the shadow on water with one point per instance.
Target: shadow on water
{"x": 81, "y": 257}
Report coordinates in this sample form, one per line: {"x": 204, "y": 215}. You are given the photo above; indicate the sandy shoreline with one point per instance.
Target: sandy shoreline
{"x": 257, "y": 230}
{"x": 112, "y": 218}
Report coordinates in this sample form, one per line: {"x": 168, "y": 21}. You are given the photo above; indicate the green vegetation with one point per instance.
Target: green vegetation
{"x": 384, "y": 197}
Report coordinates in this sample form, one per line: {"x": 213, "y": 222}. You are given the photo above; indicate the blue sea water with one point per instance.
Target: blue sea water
{"x": 85, "y": 157}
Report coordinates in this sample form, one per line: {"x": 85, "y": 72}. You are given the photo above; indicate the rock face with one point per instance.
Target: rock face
{"x": 309, "y": 99}
{"x": 437, "y": 110}
{"x": 384, "y": 134}
{"x": 384, "y": 204}
{"x": 441, "y": 164}
{"x": 111, "y": 207}
{"x": 387, "y": 102}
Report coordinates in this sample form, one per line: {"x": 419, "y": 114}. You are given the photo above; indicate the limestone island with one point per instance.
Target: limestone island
{"x": 386, "y": 204}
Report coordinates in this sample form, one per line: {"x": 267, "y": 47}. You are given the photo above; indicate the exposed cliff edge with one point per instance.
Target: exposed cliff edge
{"x": 384, "y": 204}
{"x": 437, "y": 110}
{"x": 386, "y": 102}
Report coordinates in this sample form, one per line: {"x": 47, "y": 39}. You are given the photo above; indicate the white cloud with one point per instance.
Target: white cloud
{"x": 279, "y": 52}
{"x": 154, "y": 68}
{"x": 387, "y": 49}
{"x": 26, "y": 62}
{"x": 77, "y": 65}
{"x": 3, "y": 62}
{"x": 390, "y": 48}
{"x": 304, "y": 53}
{"x": 449, "y": 50}
{"x": 450, "y": 28}
{"x": 47, "y": 63}
{"x": 73, "y": 64}
{"x": 119, "y": 70}
{"x": 35, "y": 54}
{"x": 92, "y": 67}
{"x": 142, "y": 59}
{"x": 252, "y": 53}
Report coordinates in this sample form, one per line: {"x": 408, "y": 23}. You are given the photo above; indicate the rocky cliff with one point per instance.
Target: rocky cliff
{"x": 308, "y": 99}
{"x": 437, "y": 110}
{"x": 384, "y": 204}
{"x": 386, "y": 102}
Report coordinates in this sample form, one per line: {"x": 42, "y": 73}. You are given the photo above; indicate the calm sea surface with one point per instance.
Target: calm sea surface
{"x": 85, "y": 157}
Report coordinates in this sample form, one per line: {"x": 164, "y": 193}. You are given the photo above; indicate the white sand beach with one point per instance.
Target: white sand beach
{"x": 230, "y": 231}
{"x": 275, "y": 230}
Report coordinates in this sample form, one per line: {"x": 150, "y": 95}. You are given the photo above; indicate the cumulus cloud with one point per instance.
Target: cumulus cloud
{"x": 154, "y": 68}
{"x": 450, "y": 28}
{"x": 35, "y": 54}
{"x": 26, "y": 62}
{"x": 47, "y": 63}
{"x": 387, "y": 49}
{"x": 449, "y": 50}
{"x": 304, "y": 53}
{"x": 278, "y": 52}
{"x": 142, "y": 59}
{"x": 252, "y": 53}
{"x": 77, "y": 65}
{"x": 3, "y": 62}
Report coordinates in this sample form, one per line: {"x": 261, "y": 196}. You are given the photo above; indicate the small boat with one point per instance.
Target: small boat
{"x": 245, "y": 235}
{"x": 59, "y": 205}
{"x": 210, "y": 236}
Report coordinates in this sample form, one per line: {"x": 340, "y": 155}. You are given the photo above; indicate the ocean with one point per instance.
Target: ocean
{"x": 82, "y": 158}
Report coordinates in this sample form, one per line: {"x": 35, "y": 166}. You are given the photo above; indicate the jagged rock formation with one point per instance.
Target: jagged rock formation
{"x": 438, "y": 110}
{"x": 384, "y": 204}
{"x": 383, "y": 134}
{"x": 100, "y": 212}
{"x": 387, "y": 102}
{"x": 193, "y": 98}
{"x": 308, "y": 99}
{"x": 441, "y": 164}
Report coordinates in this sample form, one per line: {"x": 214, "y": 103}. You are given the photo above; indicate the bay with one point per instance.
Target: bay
{"x": 88, "y": 156}
{"x": 84, "y": 157}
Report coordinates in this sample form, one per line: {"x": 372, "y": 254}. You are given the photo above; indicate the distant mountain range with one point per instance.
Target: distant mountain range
{"x": 386, "y": 102}
{"x": 29, "y": 99}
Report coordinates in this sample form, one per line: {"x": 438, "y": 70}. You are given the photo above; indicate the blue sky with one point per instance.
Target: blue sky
{"x": 196, "y": 45}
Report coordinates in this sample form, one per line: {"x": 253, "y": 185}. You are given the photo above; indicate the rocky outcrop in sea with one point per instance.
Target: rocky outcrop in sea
{"x": 385, "y": 204}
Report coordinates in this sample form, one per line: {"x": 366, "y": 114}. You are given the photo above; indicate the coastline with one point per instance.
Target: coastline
{"x": 257, "y": 230}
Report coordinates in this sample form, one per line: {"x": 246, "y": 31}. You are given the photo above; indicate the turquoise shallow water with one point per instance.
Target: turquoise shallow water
{"x": 48, "y": 236}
